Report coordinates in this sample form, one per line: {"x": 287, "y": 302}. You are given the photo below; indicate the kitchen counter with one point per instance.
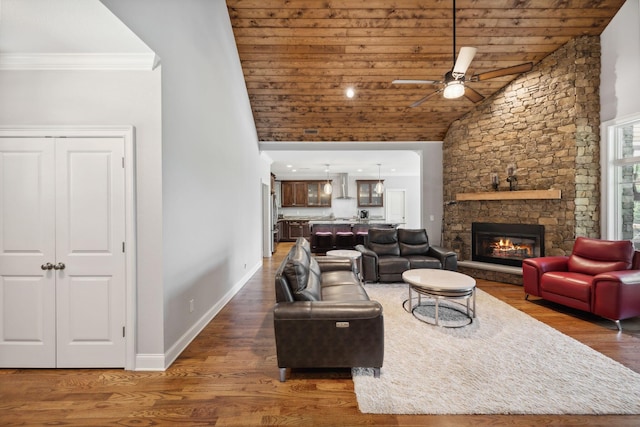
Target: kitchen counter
{"x": 350, "y": 221}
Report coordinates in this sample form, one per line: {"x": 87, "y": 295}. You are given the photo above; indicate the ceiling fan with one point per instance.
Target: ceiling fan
{"x": 453, "y": 84}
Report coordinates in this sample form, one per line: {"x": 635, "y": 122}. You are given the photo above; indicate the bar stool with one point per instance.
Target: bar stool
{"x": 361, "y": 231}
{"x": 321, "y": 238}
{"x": 345, "y": 239}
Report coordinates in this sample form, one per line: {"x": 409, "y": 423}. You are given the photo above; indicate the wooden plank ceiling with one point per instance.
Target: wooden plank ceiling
{"x": 299, "y": 57}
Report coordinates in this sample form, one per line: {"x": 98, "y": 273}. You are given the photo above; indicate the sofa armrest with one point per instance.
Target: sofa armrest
{"x": 548, "y": 263}
{"x": 329, "y": 263}
{"x": 447, "y": 257}
{"x": 331, "y": 310}
{"x": 327, "y": 334}
{"x": 534, "y": 268}
{"x": 616, "y": 294}
{"x": 369, "y": 264}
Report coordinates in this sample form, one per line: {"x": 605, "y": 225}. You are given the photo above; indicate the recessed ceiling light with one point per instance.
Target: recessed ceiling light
{"x": 289, "y": 166}
{"x": 350, "y": 92}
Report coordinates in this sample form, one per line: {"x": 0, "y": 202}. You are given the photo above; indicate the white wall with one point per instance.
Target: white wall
{"x": 620, "y": 43}
{"x": 432, "y": 191}
{"x": 211, "y": 168}
{"x": 107, "y": 98}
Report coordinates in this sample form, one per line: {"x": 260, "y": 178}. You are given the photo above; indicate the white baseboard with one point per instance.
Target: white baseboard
{"x": 153, "y": 362}
{"x": 150, "y": 362}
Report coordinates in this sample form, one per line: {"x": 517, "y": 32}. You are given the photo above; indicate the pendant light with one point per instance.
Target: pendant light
{"x": 379, "y": 188}
{"x": 328, "y": 188}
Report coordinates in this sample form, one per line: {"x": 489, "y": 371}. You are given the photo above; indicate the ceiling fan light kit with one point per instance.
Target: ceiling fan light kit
{"x": 453, "y": 84}
{"x": 453, "y": 87}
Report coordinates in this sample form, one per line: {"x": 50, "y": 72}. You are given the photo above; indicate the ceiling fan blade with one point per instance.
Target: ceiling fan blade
{"x": 472, "y": 95}
{"x": 516, "y": 69}
{"x": 414, "y": 82}
{"x": 464, "y": 59}
{"x": 423, "y": 99}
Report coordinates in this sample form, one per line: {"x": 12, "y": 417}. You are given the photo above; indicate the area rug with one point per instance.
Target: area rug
{"x": 504, "y": 362}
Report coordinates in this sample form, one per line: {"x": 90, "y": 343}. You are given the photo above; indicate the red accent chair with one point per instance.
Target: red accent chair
{"x": 600, "y": 276}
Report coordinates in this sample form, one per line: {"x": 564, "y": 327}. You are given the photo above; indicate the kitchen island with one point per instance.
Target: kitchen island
{"x": 342, "y": 233}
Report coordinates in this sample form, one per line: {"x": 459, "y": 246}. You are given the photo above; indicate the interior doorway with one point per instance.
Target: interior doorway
{"x": 396, "y": 206}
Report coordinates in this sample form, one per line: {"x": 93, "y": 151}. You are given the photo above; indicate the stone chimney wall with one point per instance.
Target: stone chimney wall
{"x": 546, "y": 123}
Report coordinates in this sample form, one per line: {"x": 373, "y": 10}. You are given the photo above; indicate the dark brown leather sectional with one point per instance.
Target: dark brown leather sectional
{"x": 323, "y": 317}
{"x": 387, "y": 253}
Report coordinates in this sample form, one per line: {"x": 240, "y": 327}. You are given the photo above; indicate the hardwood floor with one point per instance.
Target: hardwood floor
{"x": 229, "y": 376}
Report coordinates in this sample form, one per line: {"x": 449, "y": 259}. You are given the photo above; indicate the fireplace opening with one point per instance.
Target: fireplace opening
{"x": 506, "y": 244}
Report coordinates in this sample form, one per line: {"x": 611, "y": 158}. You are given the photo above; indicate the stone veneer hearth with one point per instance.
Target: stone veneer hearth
{"x": 546, "y": 122}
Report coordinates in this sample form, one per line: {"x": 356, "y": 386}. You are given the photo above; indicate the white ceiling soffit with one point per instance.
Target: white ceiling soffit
{"x": 68, "y": 35}
{"x": 356, "y": 163}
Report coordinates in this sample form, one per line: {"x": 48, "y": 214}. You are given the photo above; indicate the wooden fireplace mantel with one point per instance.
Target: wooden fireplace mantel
{"x": 511, "y": 195}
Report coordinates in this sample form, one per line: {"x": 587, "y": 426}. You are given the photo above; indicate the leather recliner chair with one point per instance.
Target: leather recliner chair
{"x": 389, "y": 252}
{"x": 600, "y": 277}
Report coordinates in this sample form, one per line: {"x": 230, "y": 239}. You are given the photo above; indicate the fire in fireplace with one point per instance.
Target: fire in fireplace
{"x": 506, "y": 244}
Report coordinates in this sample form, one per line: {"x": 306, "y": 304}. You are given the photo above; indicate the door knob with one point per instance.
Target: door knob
{"x": 47, "y": 266}
{"x": 59, "y": 266}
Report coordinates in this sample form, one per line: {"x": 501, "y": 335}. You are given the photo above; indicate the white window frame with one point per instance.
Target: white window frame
{"x": 609, "y": 219}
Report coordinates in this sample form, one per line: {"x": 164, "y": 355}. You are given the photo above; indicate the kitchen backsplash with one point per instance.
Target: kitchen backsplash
{"x": 340, "y": 208}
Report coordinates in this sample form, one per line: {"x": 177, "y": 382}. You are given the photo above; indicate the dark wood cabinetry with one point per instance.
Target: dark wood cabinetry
{"x": 316, "y": 197}
{"x": 367, "y": 196}
{"x": 304, "y": 194}
{"x": 290, "y": 230}
{"x": 294, "y": 193}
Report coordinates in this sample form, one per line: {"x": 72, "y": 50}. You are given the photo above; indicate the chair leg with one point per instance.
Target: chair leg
{"x": 283, "y": 374}
{"x": 376, "y": 372}
{"x": 526, "y": 297}
{"x": 619, "y": 325}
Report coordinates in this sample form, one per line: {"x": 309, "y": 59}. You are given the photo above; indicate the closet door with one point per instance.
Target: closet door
{"x": 27, "y": 253}
{"x": 62, "y": 264}
{"x": 90, "y": 262}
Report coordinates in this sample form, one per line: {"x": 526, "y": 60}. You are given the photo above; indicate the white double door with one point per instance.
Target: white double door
{"x": 62, "y": 266}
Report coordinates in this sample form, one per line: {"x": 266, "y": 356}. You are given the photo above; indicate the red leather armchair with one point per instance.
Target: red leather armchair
{"x": 600, "y": 276}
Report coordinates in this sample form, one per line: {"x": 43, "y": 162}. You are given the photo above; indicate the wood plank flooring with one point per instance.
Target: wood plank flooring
{"x": 228, "y": 376}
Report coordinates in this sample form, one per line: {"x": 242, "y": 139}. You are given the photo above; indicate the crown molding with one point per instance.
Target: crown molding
{"x": 79, "y": 61}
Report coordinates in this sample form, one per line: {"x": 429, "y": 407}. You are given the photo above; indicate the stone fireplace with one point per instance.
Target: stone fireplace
{"x": 506, "y": 244}
{"x": 546, "y": 123}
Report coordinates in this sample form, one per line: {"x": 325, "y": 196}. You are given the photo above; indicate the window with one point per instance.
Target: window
{"x": 621, "y": 180}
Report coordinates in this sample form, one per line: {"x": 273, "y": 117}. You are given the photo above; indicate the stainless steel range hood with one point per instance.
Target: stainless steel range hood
{"x": 343, "y": 184}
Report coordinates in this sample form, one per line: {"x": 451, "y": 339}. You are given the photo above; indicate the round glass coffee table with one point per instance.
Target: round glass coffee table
{"x": 440, "y": 285}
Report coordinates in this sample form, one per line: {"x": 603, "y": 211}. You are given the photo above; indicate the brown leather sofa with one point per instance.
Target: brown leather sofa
{"x": 600, "y": 276}
{"x": 323, "y": 317}
{"x": 389, "y": 252}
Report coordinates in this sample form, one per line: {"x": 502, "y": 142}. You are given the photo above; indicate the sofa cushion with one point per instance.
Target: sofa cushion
{"x": 384, "y": 241}
{"x": 413, "y": 242}
{"x": 343, "y": 288}
{"x": 576, "y": 286}
{"x": 303, "y": 274}
{"x": 595, "y": 256}
{"x": 423, "y": 261}
{"x": 392, "y": 265}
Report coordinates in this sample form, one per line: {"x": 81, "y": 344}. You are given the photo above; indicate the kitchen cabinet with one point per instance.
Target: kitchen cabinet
{"x": 294, "y": 194}
{"x": 304, "y": 194}
{"x": 290, "y": 230}
{"x": 299, "y": 229}
{"x": 316, "y": 197}
{"x": 366, "y": 193}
